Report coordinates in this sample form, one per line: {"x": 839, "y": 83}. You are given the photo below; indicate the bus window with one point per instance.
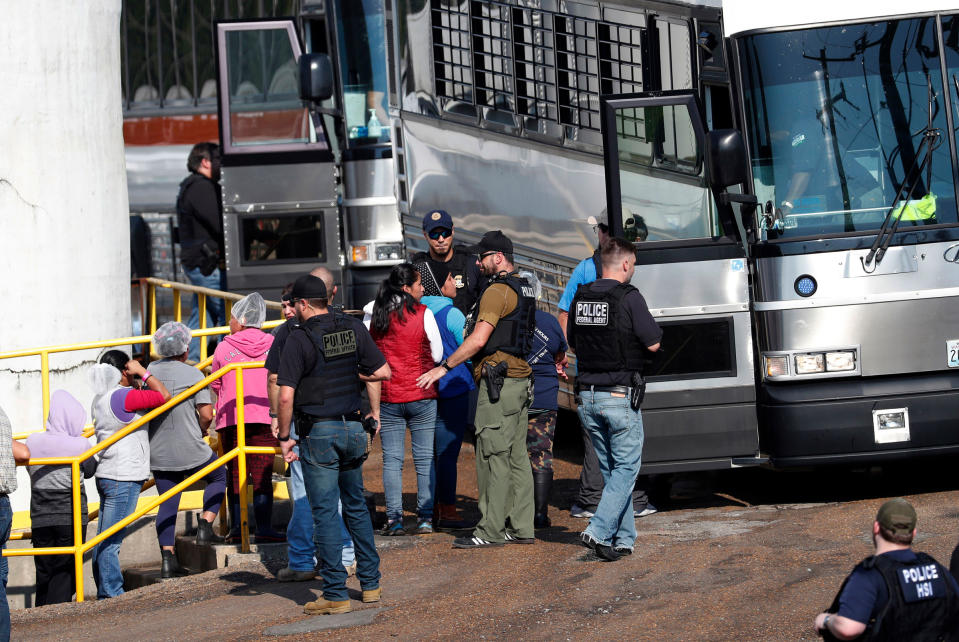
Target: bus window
{"x": 655, "y": 140}
{"x": 289, "y": 238}
{"x": 836, "y": 116}
{"x": 263, "y": 84}
{"x": 361, "y": 30}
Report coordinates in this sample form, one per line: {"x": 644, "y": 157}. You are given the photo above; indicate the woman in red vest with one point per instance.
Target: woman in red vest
{"x": 405, "y": 331}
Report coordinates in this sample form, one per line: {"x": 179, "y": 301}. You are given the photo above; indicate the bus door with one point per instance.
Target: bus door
{"x": 692, "y": 269}
{"x": 280, "y": 211}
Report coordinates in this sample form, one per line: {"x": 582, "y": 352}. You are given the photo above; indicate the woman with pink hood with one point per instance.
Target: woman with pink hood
{"x": 246, "y": 342}
{"x": 51, "y": 496}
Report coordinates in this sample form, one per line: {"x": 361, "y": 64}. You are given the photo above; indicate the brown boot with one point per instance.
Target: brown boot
{"x": 323, "y": 606}
{"x": 449, "y": 518}
{"x": 373, "y": 595}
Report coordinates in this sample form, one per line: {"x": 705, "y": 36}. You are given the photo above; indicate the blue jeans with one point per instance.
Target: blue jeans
{"x": 332, "y": 456}
{"x": 215, "y": 307}
{"x": 6, "y": 519}
{"x": 616, "y": 431}
{"x": 117, "y": 500}
{"x": 452, "y": 415}
{"x": 421, "y": 418}
{"x": 299, "y": 532}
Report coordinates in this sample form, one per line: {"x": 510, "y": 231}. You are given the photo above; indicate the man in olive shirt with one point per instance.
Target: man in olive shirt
{"x": 500, "y": 332}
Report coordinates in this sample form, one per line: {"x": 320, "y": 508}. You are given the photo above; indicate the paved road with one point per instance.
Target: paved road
{"x": 747, "y": 553}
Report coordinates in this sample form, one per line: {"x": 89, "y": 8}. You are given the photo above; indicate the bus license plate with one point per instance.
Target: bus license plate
{"x": 952, "y": 353}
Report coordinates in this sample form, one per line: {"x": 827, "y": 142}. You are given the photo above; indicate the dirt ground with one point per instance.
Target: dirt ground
{"x": 746, "y": 553}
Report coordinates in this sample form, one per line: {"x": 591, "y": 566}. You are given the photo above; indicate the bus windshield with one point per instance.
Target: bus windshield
{"x": 836, "y": 119}
{"x": 361, "y": 31}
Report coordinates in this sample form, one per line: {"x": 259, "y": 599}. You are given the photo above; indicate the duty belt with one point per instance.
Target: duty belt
{"x": 620, "y": 389}
{"x": 350, "y": 416}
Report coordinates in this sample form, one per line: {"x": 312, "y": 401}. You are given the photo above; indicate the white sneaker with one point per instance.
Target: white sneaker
{"x": 649, "y": 510}
{"x": 580, "y": 512}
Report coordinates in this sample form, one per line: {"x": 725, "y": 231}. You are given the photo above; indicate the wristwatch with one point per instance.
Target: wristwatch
{"x": 272, "y": 415}
{"x": 445, "y": 365}
{"x": 287, "y": 438}
{"x": 825, "y": 622}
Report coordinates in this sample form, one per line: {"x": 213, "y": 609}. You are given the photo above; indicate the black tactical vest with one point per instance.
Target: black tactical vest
{"x": 513, "y": 333}
{"x": 604, "y": 337}
{"x": 333, "y": 386}
{"x": 922, "y": 604}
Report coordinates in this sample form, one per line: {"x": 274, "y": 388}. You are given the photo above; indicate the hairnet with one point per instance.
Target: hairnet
{"x": 250, "y": 311}
{"x": 103, "y": 377}
{"x": 533, "y": 282}
{"x": 172, "y": 339}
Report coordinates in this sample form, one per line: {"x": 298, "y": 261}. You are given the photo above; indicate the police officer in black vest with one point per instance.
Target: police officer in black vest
{"x": 610, "y": 329}
{"x": 325, "y": 359}
{"x": 897, "y": 594}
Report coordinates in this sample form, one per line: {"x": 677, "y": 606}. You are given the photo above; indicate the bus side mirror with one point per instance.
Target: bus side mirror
{"x": 316, "y": 77}
{"x": 726, "y": 154}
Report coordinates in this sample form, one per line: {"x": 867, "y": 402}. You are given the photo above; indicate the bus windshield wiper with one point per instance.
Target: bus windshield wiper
{"x": 931, "y": 140}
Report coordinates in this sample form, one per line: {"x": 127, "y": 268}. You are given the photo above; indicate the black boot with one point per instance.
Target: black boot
{"x": 205, "y": 534}
{"x": 171, "y": 567}
{"x": 542, "y": 485}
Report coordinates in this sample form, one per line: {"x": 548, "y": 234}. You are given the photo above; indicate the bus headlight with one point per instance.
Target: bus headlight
{"x": 389, "y": 252}
{"x": 840, "y": 361}
{"x": 810, "y": 363}
{"x": 776, "y": 366}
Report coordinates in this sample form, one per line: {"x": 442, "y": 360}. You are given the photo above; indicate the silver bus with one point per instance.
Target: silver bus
{"x": 796, "y": 173}
{"x": 300, "y": 188}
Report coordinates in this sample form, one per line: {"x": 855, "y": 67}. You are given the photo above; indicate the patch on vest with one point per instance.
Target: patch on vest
{"x": 921, "y": 582}
{"x": 592, "y": 313}
{"x": 528, "y": 292}
{"x": 337, "y": 344}
{"x": 459, "y": 281}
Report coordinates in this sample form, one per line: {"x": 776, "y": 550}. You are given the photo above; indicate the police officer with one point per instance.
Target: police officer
{"x": 438, "y": 232}
{"x": 897, "y": 594}
{"x": 500, "y": 334}
{"x": 610, "y": 328}
{"x": 324, "y": 360}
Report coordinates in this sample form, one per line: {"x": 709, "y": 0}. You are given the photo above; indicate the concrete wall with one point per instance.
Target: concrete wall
{"x": 64, "y": 250}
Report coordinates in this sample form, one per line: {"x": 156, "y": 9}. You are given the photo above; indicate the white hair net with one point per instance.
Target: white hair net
{"x": 250, "y": 311}
{"x": 533, "y": 282}
{"x": 172, "y": 339}
{"x": 103, "y": 377}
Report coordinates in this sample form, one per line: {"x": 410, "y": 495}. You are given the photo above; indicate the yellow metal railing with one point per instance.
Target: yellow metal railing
{"x": 240, "y": 452}
{"x": 45, "y": 352}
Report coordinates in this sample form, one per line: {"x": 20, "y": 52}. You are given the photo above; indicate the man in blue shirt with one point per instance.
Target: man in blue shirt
{"x": 897, "y": 594}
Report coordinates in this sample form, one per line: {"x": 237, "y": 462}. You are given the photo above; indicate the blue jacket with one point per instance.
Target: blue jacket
{"x": 451, "y": 323}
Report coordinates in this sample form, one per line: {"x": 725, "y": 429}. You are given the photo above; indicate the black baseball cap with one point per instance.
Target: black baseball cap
{"x": 494, "y": 241}
{"x": 308, "y": 287}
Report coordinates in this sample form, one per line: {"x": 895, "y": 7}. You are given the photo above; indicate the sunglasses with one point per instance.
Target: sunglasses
{"x": 485, "y": 254}
{"x": 440, "y": 234}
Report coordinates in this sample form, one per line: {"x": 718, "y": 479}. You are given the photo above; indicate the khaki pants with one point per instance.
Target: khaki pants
{"x": 503, "y": 472}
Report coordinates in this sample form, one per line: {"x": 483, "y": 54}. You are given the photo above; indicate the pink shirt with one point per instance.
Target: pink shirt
{"x": 249, "y": 344}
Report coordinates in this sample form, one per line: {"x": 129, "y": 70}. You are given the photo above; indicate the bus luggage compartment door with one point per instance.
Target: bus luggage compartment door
{"x": 700, "y": 403}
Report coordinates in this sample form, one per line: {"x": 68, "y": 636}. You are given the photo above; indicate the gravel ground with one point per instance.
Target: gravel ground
{"x": 745, "y": 553}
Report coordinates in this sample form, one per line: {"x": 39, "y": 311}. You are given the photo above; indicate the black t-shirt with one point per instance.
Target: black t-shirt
{"x": 299, "y": 352}
{"x": 465, "y": 272}
{"x": 642, "y": 322}
{"x": 199, "y": 218}
{"x": 280, "y": 334}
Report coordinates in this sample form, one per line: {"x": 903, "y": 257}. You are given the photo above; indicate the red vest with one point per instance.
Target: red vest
{"x": 407, "y": 350}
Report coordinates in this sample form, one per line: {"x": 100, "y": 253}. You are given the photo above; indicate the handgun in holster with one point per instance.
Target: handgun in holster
{"x": 495, "y": 376}
{"x": 369, "y": 425}
{"x": 637, "y": 390}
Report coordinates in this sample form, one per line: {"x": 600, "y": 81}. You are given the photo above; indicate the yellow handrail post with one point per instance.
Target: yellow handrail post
{"x": 227, "y": 310}
{"x": 202, "y": 309}
{"x": 45, "y": 383}
{"x": 241, "y": 463}
{"x": 153, "y": 308}
{"x": 177, "y": 310}
{"x": 77, "y": 528}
